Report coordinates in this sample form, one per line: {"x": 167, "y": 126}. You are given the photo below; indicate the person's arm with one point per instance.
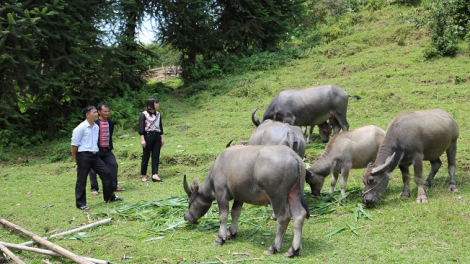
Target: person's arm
{"x": 161, "y": 131}
{"x": 74, "y": 153}
{"x": 142, "y": 130}
{"x": 111, "y": 131}
{"x": 77, "y": 134}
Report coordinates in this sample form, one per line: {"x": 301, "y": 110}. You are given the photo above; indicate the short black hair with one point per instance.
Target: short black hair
{"x": 150, "y": 103}
{"x": 102, "y": 105}
{"x": 87, "y": 109}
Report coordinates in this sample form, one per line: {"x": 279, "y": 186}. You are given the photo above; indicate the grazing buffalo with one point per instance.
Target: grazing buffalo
{"x": 311, "y": 106}
{"x": 277, "y": 133}
{"x": 411, "y": 138}
{"x": 258, "y": 175}
{"x": 324, "y": 129}
{"x": 348, "y": 150}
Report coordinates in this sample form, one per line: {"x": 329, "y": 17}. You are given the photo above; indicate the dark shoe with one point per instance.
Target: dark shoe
{"x": 156, "y": 180}
{"x": 119, "y": 189}
{"x": 116, "y": 199}
{"x": 84, "y": 207}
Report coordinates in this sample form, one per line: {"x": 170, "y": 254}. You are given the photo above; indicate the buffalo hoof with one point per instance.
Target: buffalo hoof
{"x": 427, "y": 184}
{"x": 218, "y": 241}
{"x": 270, "y": 251}
{"x": 452, "y": 188}
{"x": 292, "y": 252}
{"x": 405, "y": 195}
{"x": 422, "y": 199}
{"x": 231, "y": 235}
{"x": 273, "y": 217}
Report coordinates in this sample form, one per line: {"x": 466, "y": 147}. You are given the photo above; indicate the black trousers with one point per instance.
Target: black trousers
{"x": 107, "y": 156}
{"x": 154, "y": 144}
{"x": 85, "y": 162}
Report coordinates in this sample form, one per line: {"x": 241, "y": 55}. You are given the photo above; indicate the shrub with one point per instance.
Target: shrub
{"x": 443, "y": 39}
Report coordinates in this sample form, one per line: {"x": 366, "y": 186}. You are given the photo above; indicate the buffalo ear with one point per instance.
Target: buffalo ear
{"x": 195, "y": 185}
{"x": 308, "y": 173}
{"x": 384, "y": 167}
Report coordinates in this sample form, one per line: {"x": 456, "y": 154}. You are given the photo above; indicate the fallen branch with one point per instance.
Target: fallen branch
{"x": 219, "y": 259}
{"x": 235, "y": 254}
{"x": 47, "y": 252}
{"x": 10, "y": 254}
{"x": 62, "y": 251}
{"x": 71, "y": 231}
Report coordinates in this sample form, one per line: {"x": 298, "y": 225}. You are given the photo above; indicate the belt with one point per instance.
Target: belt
{"x": 153, "y": 132}
{"x": 92, "y": 152}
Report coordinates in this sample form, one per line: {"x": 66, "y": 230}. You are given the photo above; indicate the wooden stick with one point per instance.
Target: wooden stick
{"x": 47, "y": 252}
{"x": 10, "y": 254}
{"x": 62, "y": 251}
{"x": 219, "y": 259}
{"x": 71, "y": 231}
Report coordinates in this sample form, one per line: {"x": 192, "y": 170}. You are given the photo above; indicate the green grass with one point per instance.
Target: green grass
{"x": 381, "y": 61}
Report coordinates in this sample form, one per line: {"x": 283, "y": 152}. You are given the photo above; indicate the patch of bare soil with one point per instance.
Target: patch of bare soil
{"x": 163, "y": 73}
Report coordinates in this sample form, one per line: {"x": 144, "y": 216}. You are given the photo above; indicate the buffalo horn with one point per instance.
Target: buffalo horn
{"x": 382, "y": 168}
{"x": 254, "y": 118}
{"x": 186, "y": 186}
{"x": 228, "y": 145}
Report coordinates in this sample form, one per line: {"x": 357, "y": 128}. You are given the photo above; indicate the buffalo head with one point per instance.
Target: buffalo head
{"x": 325, "y": 131}
{"x": 315, "y": 181}
{"x": 376, "y": 179}
{"x": 198, "y": 206}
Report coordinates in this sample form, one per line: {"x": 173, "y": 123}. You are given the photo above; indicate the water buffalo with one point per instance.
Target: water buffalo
{"x": 324, "y": 129}
{"x": 257, "y": 175}
{"x": 272, "y": 132}
{"x": 348, "y": 150}
{"x": 311, "y": 106}
{"x": 411, "y": 138}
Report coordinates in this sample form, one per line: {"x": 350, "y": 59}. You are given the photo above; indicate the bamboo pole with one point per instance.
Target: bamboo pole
{"x": 62, "y": 251}
{"x": 47, "y": 252}
{"x": 10, "y": 254}
{"x": 72, "y": 231}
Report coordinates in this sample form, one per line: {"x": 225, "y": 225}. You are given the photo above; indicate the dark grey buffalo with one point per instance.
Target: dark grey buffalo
{"x": 272, "y": 132}
{"x": 348, "y": 150}
{"x": 258, "y": 175}
{"x": 411, "y": 138}
{"x": 311, "y": 106}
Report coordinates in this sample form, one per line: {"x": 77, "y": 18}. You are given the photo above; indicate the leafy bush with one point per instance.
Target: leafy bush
{"x": 224, "y": 64}
{"x": 59, "y": 152}
{"x": 443, "y": 39}
{"x": 460, "y": 14}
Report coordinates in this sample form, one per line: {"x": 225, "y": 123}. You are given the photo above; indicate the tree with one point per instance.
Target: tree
{"x": 57, "y": 56}
{"x": 211, "y": 27}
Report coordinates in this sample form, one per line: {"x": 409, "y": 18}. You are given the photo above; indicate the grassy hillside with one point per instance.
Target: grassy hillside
{"x": 380, "y": 59}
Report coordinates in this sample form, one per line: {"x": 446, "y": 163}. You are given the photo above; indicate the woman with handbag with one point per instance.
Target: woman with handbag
{"x": 151, "y": 138}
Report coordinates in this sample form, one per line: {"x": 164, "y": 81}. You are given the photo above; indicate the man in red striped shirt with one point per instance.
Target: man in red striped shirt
{"x": 105, "y": 145}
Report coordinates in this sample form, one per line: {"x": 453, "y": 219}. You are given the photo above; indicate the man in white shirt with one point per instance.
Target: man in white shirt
{"x": 85, "y": 154}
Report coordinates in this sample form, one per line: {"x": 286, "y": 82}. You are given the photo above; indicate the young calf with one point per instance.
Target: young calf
{"x": 348, "y": 150}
